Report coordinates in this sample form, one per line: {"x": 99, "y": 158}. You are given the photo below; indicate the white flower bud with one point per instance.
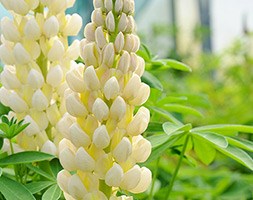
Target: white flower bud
{"x": 139, "y": 123}
{"x": 56, "y": 52}
{"x": 6, "y": 3}
{"x": 98, "y": 3}
{"x": 110, "y": 22}
{"x": 118, "y": 6}
{"x": 65, "y": 143}
{"x": 141, "y": 149}
{"x": 9, "y": 79}
{"x": 84, "y": 161}
{"x": 145, "y": 181}
{"x": 118, "y": 109}
{"x": 74, "y": 106}
{"x": 67, "y": 159}
{"x": 73, "y": 51}
{"x": 89, "y": 31}
{"x": 19, "y": 7}
{"x": 119, "y": 42}
{"x": 55, "y": 76}
{"x": 142, "y": 96}
{"x": 75, "y": 80}
{"x": 132, "y": 43}
{"x": 63, "y": 125}
{"x": 53, "y": 114}
{"x": 100, "y": 110}
{"x": 17, "y": 104}
{"x": 128, "y": 6}
{"x": 6, "y": 55}
{"x": 76, "y": 187}
{"x": 130, "y": 91}
{"x": 100, "y": 37}
{"x": 9, "y": 30}
{"x": 51, "y": 27}
{"x": 108, "y": 5}
{"x": 35, "y": 79}
{"x": 130, "y": 25}
{"x": 32, "y": 128}
{"x": 88, "y": 53}
{"x": 140, "y": 67}
{"x": 108, "y": 55}
{"x": 114, "y": 176}
{"x": 70, "y": 3}
{"x": 123, "y": 21}
{"x": 73, "y": 26}
{"x": 4, "y": 96}
{"x": 57, "y": 6}
{"x": 97, "y": 17}
{"x": 21, "y": 55}
{"x": 124, "y": 62}
{"x": 123, "y": 150}
{"x": 39, "y": 100}
{"x": 33, "y": 4}
{"x": 49, "y": 147}
{"x": 111, "y": 88}
{"x": 101, "y": 138}
{"x": 32, "y": 30}
{"x": 78, "y": 137}
{"x": 91, "y": 79}
{"x": 131, "y": 178}
{"x": 63, "y": 179}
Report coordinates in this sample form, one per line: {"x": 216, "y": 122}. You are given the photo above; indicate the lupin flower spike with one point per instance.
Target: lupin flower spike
{"x": 37, "y": 56}
{"x": 102, "y": 149}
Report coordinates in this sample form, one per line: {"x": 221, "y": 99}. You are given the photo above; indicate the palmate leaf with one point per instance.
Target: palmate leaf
{"x": 241, "y": 143}
{"x": 36, "y": 187}
{"x": 25, "y": 157}
{"x": 41, "y": 172}
{"x": 52, "y": 193}
{"x": 1, "y": 142}
{"x": 171, "y": 129}
{"x": 182, "y": 109}
{"x": 170, "y": 63}
{"x": 152, "y": 81}
{"x": 13, "y": 190}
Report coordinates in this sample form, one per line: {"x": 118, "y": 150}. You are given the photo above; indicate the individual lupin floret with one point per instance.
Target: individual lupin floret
{"x": 108, "y": 138}
{"x": 37, "y": 56}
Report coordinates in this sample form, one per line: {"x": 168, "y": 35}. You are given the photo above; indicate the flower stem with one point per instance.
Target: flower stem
{"x": 177, "y": 168}
{"x": 15, "y": 167}
{"x": 150, "y": 197}
{"x": 105, "y": 188}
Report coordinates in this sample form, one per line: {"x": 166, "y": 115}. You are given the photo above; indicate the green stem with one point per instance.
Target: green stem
{"x": 15, "y": 167}
{"x": 177, "y": 168}
{"x": 150, "y": 197}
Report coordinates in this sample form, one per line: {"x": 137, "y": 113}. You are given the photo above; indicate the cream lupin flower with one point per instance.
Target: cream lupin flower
{"x": 110, "y": 143}
{"x": 37, "y": 57}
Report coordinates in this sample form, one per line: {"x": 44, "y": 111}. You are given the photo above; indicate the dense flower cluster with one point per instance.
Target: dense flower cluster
{"x": 102, "y": 147}
{"x": 37, "y": 56}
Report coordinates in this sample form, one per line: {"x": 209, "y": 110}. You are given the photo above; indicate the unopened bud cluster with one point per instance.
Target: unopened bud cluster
{"x": 102, "y": 148}
{"x": 37, "y": 56}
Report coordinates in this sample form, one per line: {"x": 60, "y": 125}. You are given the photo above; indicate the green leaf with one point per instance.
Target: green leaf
{"x": 172, "y": 129}
{"x": 159, "y": 150}
{"x": 241, "y": 143}
{"x": 238, "y": 155}
{"x": 225, "y": 127}
{"x": 205, "y": 152}
{"x": 182, "y": 109}
{"x": 165, "y": 114}
{"x": 36, "y": 187}
{"x": 55, "y": 166}
{"x": 157, "y": 140}
{"x": 1, "y": 142}
{"x": 144, "y": 53}
{"x": 177, "y": 65}
{"x": 52, "y": 193}
{"x": 1, "y": 171}
{"x": 3, "y": 109}
{"x": 154, "y": 127}
{"x": 25, "y": 157}
{"x": 172, "y": 99}
{"x": 152, "y": 81}
{"x": 13, "y": 190}
{"x": 41, "y": 172}
{"x": 216, "y": 139}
